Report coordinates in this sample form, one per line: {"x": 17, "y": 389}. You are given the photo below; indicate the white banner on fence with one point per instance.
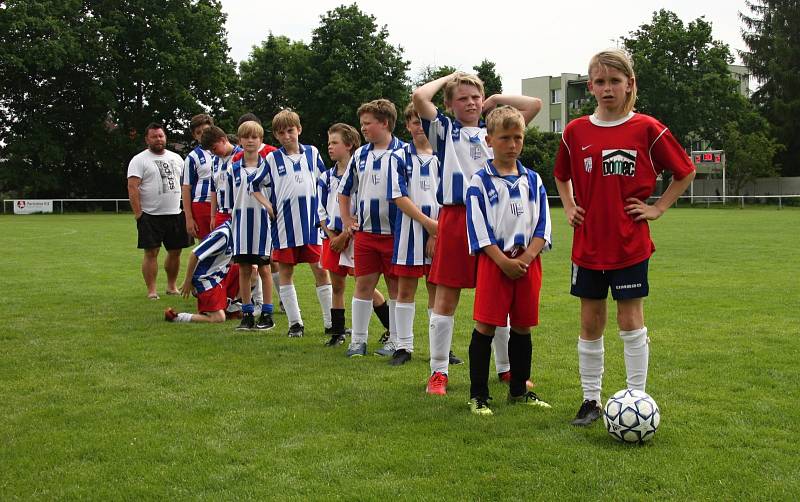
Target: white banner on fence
{"x": 30, "y": 206}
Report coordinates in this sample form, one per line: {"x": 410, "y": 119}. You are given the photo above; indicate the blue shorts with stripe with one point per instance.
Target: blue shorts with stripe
{"x": 625, "y": 283}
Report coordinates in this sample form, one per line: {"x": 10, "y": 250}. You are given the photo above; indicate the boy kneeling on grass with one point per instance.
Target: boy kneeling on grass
{"x": 508, "y": 226}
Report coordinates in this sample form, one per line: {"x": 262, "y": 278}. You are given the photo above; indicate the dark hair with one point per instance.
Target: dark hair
{"x": 248, "y": 117}
{"x": 211, "y": 136}
{"x": 153, "y": 125}
{"x": 233, "y": 139}
{"x": 199, "y": 120}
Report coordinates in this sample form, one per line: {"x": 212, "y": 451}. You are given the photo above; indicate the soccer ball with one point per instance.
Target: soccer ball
{"x": 631, "y": 416}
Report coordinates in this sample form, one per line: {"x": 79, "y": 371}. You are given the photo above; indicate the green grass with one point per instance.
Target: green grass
{"x": 101, "y": 399}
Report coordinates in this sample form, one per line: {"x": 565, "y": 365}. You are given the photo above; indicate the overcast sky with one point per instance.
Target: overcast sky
{"x": 523, "y": 38}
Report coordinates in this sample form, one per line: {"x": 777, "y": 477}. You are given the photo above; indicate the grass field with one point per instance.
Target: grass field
{"x": 101, "y": 399}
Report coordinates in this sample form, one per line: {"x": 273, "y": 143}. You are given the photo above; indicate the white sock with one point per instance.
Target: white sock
{"x": 289, "y": 299}
{"x": 590, "y": 365}
{"x": 404, "y": 315}
{"x": 393, "y": 321}
{"x": 325, "y": 297}
{"x": 440, "y": 334}
{"x": 500, "y": 346}
{"x": 256, "y": 292}
{"x": 362, "y": 311}
{"x": 637, "y": 356}
{"x": 184, "y": 317}
{"x": 276, "y": 283}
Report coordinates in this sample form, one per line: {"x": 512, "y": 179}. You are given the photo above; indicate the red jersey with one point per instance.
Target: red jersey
{"x": 609, "y": 162}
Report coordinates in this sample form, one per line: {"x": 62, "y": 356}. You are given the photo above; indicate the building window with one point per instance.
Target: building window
{"x": 555, "y": 96}
{"x": 555, "y": 125}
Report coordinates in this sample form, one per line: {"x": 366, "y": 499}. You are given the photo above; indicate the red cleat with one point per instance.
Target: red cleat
{"x": 506, "y": 377}
{"x": 437, "y": 384}
{"x": 170, "y": 315}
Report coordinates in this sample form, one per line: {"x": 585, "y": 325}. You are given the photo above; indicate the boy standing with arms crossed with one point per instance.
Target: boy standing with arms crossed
{"x": 367, "y": 179}
{"x": 461, "y": 148}
{"x": 291, "y": 174}
{"x": 508, "y": 226}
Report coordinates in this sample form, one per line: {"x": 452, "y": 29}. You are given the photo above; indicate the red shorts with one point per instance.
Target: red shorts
{"x": 299, "y": 254}
{"x": 201, "y": 212}
{"x": 497, "y": 296}
{"x": 216, "y": 298}
{"x": 411, "y": 270}
{"x": 372, "y": 253}
{"x": 452, "y": 265}
{"x": 221, "y": 218}
{"x": 330, "y": 260}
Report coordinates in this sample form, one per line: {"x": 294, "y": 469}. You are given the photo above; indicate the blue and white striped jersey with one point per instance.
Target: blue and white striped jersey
{"x": 218, "y": 177}
{"x": 250, "y": 221}
{"x": 368, "y": 180}
{"x": 213, "y": 258}
{"x": 506, "y": 211}
{"x": 291, "y": 181}
{"x": 328, "y": 195}
{"x": 418, "y": 182}
{"x": 462, "y": 151}
{"x": 197, "y": 171}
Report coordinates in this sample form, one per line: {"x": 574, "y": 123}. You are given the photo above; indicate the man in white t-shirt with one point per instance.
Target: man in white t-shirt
{"x": 154, "y": 189}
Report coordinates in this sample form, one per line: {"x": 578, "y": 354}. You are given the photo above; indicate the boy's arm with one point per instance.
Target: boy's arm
{"x": 423, "y": 97}
{"x": 408, "y": 207}
{"x": 573, "y": 211}
{"x": 186, "y": 196}
{"x": 348, "y": 221}
{"x": 541, "y": 232}
{"x": 532, "y": 251}
{"x": 187, "y": 288}
{"x": 527, "y": 105}
{"x": 134, "y": 182}
{"x": 642, "y": 211}
{"x": 513, "y": 268}
{"x": 213, "y": 208}
{"x": 264, "y": 202}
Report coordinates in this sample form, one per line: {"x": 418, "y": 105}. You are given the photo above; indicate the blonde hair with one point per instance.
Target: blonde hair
{"x": 250, "y": 129}
{"x": 504, "y": 117}
{"x": 285, "y": 119}
{"x": 458, "y": 79}
{"x": 348, "y": 133}
{"x": 381, "y": 109}
{"x": 618, "y": 60}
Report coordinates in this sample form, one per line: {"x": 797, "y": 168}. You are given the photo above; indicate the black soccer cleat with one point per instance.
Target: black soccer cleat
{"x": 296, "y": 330}
{"x": 265, "y": 322}
{"x": 335, "y": 341}
{"x": 384, "y": 337}
{"x": 248, "y": 322}
{"x": 400, "y": 357}
{"x": 454, "y": 360}
{"x": 588, "y": 413}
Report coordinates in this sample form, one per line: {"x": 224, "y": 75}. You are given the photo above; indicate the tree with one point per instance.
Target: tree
{"x": 492, "y": 83}
{"x": 749, "y": 150}
{"x": 683, "y": 77}
{"x": 773, "y": 39}
{"x": 273, "y": 77}
{"x": 539, "y": 153}
{"x": 350, "y": 62}
{"x": 79, "y": 80}
{"x": 430, "y": 73}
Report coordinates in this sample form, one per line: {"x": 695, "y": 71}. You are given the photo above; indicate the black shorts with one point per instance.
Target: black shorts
{"x": 251, "y": 259}
{"x": 626, "y": 283}
{"x": 169, "y": 229}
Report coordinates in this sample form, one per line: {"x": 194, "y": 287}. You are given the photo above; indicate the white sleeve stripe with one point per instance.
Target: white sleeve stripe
{"x": 565, "y": 144}
{"x": 650, "y": 151}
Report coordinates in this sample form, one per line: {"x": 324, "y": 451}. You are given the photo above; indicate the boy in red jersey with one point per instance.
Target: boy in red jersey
{"x": 606, "y": 168}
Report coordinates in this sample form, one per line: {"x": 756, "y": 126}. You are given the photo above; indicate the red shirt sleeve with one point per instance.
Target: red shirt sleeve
{"x": 563, "y": 169}
{"x": 668, "y": 155}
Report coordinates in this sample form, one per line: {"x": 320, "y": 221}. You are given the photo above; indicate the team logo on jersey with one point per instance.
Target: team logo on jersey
{"x": 475, "y": 152}
{"x": 376, "y": 178}
{"x": 298, "y": 178}
{"x": 587, "y": 164}
{"x": 425, "y": 184}
{"x": 517, "y": 209}
{"x": 492, "y": 194}
{"x": 619, "y": 162}
{"x": 281, "y": 170}
{"x": 362, "y": 164}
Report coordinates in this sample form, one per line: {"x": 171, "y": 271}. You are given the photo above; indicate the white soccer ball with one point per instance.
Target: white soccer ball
{"x": 631, "y": 416}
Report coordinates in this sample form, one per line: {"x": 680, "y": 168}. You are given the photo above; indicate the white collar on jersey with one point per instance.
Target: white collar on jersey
{"x": 602, "y": 123}
{"x": 492, "y": 171}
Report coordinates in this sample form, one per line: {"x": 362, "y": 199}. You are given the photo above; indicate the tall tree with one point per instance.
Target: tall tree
{"x": 492, "y": 83}
{"x": 351, "y": 62}
{"x": 772, "y": 36}
{"x": 80, "y": 79}
{"x": 683, "y": 76}
{"x": 430, "y": 73}
{"x": 273, "y": 77}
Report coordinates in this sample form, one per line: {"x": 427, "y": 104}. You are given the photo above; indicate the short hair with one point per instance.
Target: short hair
{"x": 199, "y": 120}
{"x": 504, "y": 117}
{"x": 410, "y": 112}
{"x": 620, "y": 61}
{"x": 458, "y": 79}
{"x": 233, "y": 139}
{"x": 153, "y": 125}
{"x": 285, "y": 119}
{"x": 348, "y": 133}
{"x": 250, "y": 129}
{"x": 381, "y": 109}
{"x": 211, "y": 136}
{"x": 247, "y": 117}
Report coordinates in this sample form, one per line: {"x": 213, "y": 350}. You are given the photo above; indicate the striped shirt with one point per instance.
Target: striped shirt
{"x": 291, "y": 181}
{"x": 462, "y": 151}
{"x": 508, "y": 211}
{"x": 218, "y": 185}
{"x": 368, "y": 179}
{"x": 418, "y": 182}
{"x": 251, "y": 225}
{"x": 213, "y": 258}
{"x": 197, "y": 171}
{"x": 328, "y": 195}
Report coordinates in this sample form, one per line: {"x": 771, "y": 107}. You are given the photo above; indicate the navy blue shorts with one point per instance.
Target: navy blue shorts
{"x": 251, "y": 259}
{"x": 625, "y": 283}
